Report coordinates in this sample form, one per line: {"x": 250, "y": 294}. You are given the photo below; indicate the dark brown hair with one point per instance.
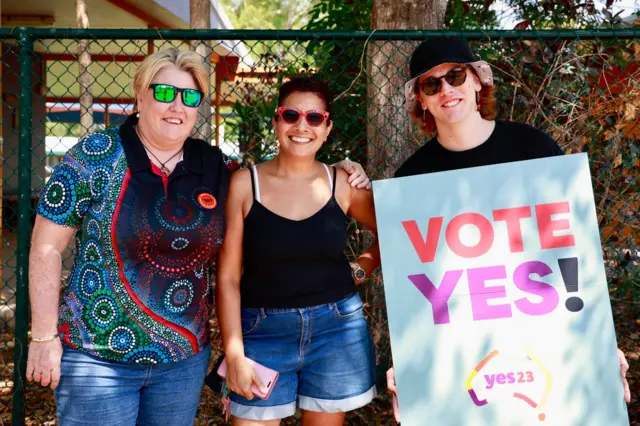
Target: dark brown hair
{"x": 306, "y": 84}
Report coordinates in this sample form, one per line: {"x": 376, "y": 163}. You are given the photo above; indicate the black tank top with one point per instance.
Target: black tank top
{"x": 294, "y": 263}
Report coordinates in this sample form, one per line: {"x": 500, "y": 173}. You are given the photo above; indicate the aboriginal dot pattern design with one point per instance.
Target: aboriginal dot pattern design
{"x": 139, "y": 289}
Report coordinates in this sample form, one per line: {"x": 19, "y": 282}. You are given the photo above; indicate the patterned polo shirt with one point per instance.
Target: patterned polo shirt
{"x": 140, "y": 289}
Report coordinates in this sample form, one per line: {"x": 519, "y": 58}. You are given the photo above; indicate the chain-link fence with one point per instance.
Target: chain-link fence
{"x": 583, "y": 87}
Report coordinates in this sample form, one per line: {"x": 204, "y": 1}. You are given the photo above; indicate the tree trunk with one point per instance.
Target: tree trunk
{"x": 201, "y": 19}
{"x": 389, "y": 130}
{"x": 85, "y": 79}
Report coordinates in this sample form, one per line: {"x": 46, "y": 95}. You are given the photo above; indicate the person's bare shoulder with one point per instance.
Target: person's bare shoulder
{"x": 240, "y": 187}
{"x": 241, "y": 177}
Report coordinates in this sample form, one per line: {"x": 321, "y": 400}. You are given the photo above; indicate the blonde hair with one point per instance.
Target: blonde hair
{"x": 184, "y": 60}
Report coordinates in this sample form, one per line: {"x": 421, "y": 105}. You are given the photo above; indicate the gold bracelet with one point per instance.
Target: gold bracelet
{"x": 44, "y": 339}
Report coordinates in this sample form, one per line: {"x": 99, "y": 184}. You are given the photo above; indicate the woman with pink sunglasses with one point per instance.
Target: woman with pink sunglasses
{"x": 286, "y": 295}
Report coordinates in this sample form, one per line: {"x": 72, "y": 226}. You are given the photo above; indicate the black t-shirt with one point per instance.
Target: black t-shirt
{"x": 509, "y": 142}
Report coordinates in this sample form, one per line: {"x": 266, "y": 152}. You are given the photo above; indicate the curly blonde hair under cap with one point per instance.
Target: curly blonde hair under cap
{"x": 184, "y": 60}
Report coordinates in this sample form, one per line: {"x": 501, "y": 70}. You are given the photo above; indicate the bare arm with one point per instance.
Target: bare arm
{"x": 230, "y": 268}
{"x": 362, "y": 210}
{"x": 45, "y": 273}
{"x": 358, "y": 203}
{"x": 240, "y": 374}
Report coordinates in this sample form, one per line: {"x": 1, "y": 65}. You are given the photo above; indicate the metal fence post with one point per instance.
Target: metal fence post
{"x": 25, "y": 57}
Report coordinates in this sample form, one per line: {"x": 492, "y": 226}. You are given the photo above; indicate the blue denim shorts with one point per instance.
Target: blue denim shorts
{"x": 324, "y": 355}
{"x": 95, "y": 391}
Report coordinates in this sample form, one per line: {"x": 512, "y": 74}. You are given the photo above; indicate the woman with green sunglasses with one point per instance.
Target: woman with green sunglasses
{"x": 167, "y": 93}
{"x": 129, "y": 342}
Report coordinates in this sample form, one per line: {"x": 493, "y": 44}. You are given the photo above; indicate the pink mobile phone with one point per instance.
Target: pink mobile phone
{"x": 267, "y": 376}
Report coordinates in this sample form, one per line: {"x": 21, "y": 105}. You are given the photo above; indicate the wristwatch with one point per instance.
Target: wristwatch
{"x": 358, "y": 273}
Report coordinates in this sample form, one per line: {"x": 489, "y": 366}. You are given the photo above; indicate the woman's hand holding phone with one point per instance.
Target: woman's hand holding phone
{"x": 241, "y": 375}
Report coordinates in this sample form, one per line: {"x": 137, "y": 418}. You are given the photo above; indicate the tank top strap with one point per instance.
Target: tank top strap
{"x": 331, "y": 181}
{"x": 255, "y": 183}
{"x": 333, "y": 186}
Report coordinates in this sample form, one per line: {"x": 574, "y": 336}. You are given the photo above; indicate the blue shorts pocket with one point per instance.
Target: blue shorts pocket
{"x": 250, "y": 320}
{"x": 349, "y": 306}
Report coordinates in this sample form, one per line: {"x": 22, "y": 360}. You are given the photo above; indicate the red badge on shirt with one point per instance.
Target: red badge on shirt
{"x": 207, "y": 201}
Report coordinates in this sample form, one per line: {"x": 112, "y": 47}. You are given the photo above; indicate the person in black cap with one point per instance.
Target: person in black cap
{"x": 451, "y": 94}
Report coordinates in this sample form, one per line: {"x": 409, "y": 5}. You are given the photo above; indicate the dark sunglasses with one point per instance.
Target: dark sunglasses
{"x": 167, "y": 93}
{"x": 454, "y": 77}
{"x": 293, "y": 116}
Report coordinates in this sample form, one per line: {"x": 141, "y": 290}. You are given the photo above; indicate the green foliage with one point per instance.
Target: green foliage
{"x": 340, "y": 15}
{"x": 256, "y": 140}
{"x": 346, "y": 76}
{"x": 250, "y": 122}
{"x": 546, "y": 14}
{"x": 347, "y": 81}
{"x": 475, "y": 14}
{"x": 470, "y": 15}
{"x": 267, "y": 14}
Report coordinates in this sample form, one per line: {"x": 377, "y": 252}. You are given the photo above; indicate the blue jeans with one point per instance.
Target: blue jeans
{"x": 324, "y": 355}
{"x": 94, "y": 391}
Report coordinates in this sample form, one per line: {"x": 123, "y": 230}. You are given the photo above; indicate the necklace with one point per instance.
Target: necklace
{"x": 163, "y": 169}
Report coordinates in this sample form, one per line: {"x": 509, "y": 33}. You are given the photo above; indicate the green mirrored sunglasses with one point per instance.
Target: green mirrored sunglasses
{"x": 167, "y": 93}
